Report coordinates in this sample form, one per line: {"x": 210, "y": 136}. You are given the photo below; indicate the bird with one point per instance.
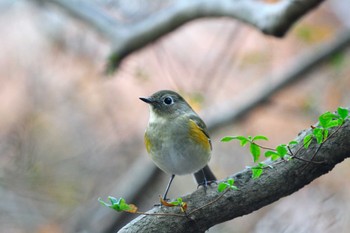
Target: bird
{"x": 177, "y": 139}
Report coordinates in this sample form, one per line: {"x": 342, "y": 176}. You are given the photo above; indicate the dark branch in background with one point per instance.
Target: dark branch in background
{"x": 282, "y": 180}
{"x": 233, "y": 109}
{"x": 271, "y": 18}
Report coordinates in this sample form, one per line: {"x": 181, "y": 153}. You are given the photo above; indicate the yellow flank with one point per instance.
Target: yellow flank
{"x": 147, "y": 143}
{"x": 197, "y": 134}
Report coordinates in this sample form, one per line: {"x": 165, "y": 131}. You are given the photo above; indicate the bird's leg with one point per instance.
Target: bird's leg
{"x": 205, "y": 181}
{"x": 205, "y": 177}
{"x": 168, "y": 186}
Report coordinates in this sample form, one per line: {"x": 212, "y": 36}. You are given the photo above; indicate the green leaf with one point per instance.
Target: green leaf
{"x": 178, "y": 202}
{"x": 325, "y": 118}
{"x": 328, "y": 115}
{"x": 256, "y": 172}
{"x": 340, "y": 121}
{"x": 270, "y": 153}
{"x": 325, "y": 134}
{"x": 258, "y": 169}
{"x": 227, "y": 185}
{"x": 260, "y": 137}
{"x": 113, "y": 200}
{"x": 255, "y": 151}
{"x": 243, "y": 140}
{"x": 227, "y": 138}
{"x": 334, "y": 123}
{"x": 292, "y": 143}
{"x": 282, "y": 150}
{"x": 123, "y": 206}
{"x": 102, "y": 202}
{"x": 275, "y": 157}
{"x": 116, "y": 204}
{"x": 308, "y": 140}
{"x": 318, "y": 134}
{"x": 230, "y": 181}
{"x": 343, "y": 113}
{"x": 329, "y": 120}
{"x": 222, "y": 187}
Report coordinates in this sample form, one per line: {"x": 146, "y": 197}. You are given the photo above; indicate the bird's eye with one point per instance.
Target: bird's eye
{"x": 168, "y": 100}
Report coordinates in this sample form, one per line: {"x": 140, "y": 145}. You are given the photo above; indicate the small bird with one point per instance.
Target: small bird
{"x": 176, "y": 138}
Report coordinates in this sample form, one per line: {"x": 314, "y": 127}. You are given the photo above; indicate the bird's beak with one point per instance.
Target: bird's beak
{"x": 148, "y": 100}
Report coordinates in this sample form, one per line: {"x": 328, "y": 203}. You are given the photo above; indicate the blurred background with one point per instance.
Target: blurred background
{"x": 70, "y": 134}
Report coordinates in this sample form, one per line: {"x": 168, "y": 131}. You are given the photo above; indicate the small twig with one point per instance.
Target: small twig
{"x": 290, "y": 154}
{"x": 303, "y": 146}
{"x": 308, "y": 161}
{"x": 318, "y": 148}
{"x": 263, "y": 147}
{"x": 301, "y": 159}
{"x": 290, "y": 151}
{"x": 161, "y": 214}
{"x": 208, "y": 203}
{"x": 186, "y": 214}
{"x": 335, "y": 131}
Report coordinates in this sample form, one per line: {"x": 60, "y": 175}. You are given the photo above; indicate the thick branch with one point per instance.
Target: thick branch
{"x": 225, "y": 113}
{"x": 271, "y": 18}
{"x": 282, "y": 180}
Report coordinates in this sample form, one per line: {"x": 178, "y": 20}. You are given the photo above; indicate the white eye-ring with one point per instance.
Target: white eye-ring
{"x": 168, "y": 100}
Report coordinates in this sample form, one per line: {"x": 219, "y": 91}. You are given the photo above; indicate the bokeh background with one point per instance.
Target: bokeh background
{"x": 70, "y": 134}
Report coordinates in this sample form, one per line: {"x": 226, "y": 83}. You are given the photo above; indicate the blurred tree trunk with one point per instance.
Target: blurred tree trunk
{"x": 270, "y": 17}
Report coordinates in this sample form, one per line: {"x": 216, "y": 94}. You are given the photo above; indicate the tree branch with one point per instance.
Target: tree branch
{"x": 221, "y": 115}
{"x": 271, "y": 18}
{"x": 225, "y": 113}
{"x": 282, "y": 180}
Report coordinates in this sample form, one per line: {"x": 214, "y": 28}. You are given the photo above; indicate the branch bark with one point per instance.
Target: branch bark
{"x": 282, "y": 180}
{"x": 271, "y": 18}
